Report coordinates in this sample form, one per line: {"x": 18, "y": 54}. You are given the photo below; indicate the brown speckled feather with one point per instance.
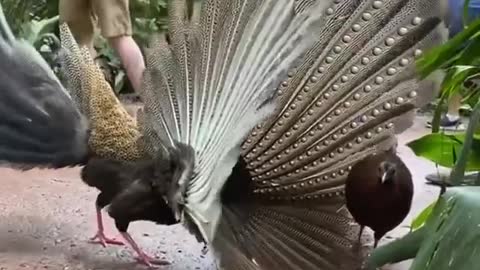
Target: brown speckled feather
{"x": 114, "y": 133}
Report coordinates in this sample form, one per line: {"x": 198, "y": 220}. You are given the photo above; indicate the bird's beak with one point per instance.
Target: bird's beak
{"x": 384, "y": 177}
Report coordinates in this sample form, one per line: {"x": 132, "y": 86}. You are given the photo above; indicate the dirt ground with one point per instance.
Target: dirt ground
{"x": 46, "y": 218}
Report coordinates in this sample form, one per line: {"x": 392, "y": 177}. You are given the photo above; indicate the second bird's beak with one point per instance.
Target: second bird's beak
{"x": 384, "y": 177}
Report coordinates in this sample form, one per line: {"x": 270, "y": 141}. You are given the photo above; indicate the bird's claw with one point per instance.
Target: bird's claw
{"x": 205, "y": 250}
{"x": 101, "y": 239}
{"x": 150, "y": 262}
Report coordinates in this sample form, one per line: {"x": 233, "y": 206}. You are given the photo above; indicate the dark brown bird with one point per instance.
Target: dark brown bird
{"x": 133, "y": 191}
{"x": 379, "y": 191}
{"x": 47, "y": 127}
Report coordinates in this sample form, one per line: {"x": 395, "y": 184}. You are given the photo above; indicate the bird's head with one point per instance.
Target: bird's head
{"x": 182, "y": 158}
{"x": 386, "y": 172}
{"x": 169, "y": 172}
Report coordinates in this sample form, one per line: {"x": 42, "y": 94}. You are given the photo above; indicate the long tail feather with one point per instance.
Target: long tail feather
{"x": 40, "y": 125}
{"x": 286, "y": 237}
{"x": 114, "y": 133}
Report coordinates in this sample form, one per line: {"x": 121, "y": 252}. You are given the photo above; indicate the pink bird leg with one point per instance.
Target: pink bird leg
{"x": 142, "y": 257}
{"x": 102, "y": 239}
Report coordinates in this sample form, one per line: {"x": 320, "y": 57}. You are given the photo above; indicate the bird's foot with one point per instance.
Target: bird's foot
{"x": 205, "y": 250}
{"x": 150, "y": 261}
{"x": 101, "y": 239}
{"x": 141, "y": 256}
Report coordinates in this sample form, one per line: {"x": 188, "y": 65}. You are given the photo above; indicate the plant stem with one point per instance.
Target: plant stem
{"x": 437, "y": 115}
{"x": 398, "y": 250}
{"x": 458, "y": 171}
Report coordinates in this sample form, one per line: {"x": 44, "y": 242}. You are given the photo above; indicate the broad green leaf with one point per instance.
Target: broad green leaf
{"x": 450, "y": 239}
{"x": 421, "y": 219}
{"x": 441, "y": 149}
{"x": 453, "y": 234}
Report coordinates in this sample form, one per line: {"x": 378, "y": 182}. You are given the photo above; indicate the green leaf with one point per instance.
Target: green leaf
{"x": 437, "y": 147}
{"x": 469, "y": 150}
{"x": 442, "y": 56}
{"x": 119, "y": 81}
{"x": 450, "y": 239}
{"x": 455, "y": 78}
{"x": 421, "y": 219}
{"x": 437, "y": 115}
{"x": 469, "y": 55}
{"x": 34, "y": 31}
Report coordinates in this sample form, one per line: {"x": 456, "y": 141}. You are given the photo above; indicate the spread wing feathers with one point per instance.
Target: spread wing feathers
{"x": 286, "y": 237}
{"x": 210, "y": 96}
{"x": 343, "y": 100}
{"x": 39, "y": 124}
{"x": 114, "y": 133}
{"x": 339, "y": 105}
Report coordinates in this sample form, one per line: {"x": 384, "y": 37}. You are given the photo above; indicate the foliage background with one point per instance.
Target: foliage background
{"x": 37, "y": 22}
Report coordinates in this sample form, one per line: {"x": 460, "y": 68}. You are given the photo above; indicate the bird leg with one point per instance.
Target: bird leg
{"x": 142, "y": 257}
{"x": 102, "y": 239}
{"x": 360, "y": 233}
{"x": 358, "y": 245}
{"x": 205, "y": 250}
{"x": 377, "y": 236}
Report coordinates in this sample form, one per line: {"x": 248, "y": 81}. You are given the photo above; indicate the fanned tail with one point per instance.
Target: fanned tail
{"x": 40, "y": 125}
{"x": 286, "y": 237}
{"x": 348, "y": 70}
{"x": 216, "y": 81}
{"x": 341, "y": 103}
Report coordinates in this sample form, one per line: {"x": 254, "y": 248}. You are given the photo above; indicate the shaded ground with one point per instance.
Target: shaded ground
{"x": 46, "y": 218}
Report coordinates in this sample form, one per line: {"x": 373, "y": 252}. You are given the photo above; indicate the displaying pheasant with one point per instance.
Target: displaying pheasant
{"x": 277, "y": 99}
{"x": 42, "y": 125}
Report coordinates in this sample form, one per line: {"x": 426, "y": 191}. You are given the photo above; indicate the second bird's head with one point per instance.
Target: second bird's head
{"x": 386, "y": 172}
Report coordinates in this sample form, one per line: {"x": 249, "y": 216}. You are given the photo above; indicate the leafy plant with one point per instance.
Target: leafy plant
{"x": 37, "y": 22}
{"x": 448, "y": 240}
{"x": 446, "y": 234}
{"x": 445, "y": 149}
{"x": 19, "y": 13}
{"x": 38, "y": 32}
{"x": 148, "y": 16}
{"x": 460, "y": 58}
{"x": 422, "y": 218}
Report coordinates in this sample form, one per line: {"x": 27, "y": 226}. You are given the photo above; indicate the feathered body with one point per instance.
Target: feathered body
{"x": 131, "y": 190}
{"x": 377, "y": 198}
{"x": 275, "y": 101}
